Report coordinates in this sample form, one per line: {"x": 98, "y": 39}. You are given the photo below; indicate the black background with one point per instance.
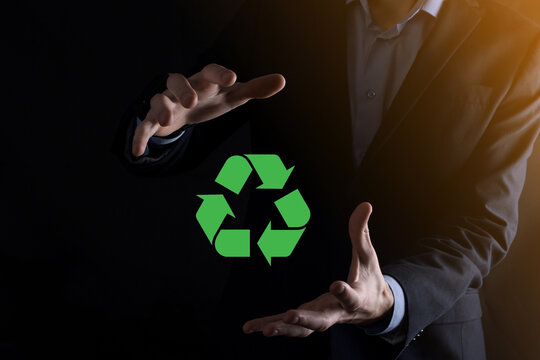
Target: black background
{"x": 84, "y": 242}
{"x": 91, "y": 251}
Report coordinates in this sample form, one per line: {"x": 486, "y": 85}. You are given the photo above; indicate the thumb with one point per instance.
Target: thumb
{"x": 363, "y": 251}
{"x": 359, "y": 219}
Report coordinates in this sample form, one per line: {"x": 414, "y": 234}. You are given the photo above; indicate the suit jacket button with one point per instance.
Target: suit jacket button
{"x": 371, "y": 94}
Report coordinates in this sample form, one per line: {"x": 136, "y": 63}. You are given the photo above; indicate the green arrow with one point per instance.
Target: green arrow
{"x": 211, "y": 213}
{"x": 234, "y": 173}
{"x": 233, "y": 242}
{"x": 271, "y": 170}
{"x": 293, "y": 209}
{"x": 278, "y": 243}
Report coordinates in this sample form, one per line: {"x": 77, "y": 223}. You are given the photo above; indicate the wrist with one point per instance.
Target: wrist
{"x": 171, "y": 132}
{"x": 386, "y": 302}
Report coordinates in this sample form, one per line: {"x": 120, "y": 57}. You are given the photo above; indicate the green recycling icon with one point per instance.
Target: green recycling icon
{"x": 236, "y": 242}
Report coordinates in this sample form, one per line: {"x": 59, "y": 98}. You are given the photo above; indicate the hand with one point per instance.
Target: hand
{"x": 204, "y": 96}
{"x": 363, "y": 299}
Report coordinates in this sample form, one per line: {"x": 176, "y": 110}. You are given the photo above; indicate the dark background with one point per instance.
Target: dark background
{"x": 86, "y": 242}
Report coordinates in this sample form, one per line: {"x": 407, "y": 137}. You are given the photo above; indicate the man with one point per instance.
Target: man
{"x": 427, "y": 110}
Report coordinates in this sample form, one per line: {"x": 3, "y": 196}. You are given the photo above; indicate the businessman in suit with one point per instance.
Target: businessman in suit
{"x": 423, "y": 111}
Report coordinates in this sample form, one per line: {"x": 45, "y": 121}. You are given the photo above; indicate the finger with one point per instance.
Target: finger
{"x": 180, "y": 87}
{"x": 235, "y": 96}
{"x": 217, "y": 74}
{"x": 309, "y": 319}
{"x": 346, "y": 295}
{"x": 279, "y": 328}
{"x": 143, "y": 132}
{"x": 259, "y": 88}
{"x": 162, "y": 109}
{"x": 258, "y": 324}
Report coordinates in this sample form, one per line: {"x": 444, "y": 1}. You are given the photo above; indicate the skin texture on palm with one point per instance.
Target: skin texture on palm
{"x": 364, "y": 298}
{"x": 204, "y": 96}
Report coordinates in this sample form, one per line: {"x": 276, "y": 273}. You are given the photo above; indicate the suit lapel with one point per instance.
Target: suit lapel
{"x": 456, "y": 21}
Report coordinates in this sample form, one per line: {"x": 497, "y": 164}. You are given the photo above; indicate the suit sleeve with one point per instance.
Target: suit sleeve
{"x": 231, "y": 49}
{"x": 481, "y": 221}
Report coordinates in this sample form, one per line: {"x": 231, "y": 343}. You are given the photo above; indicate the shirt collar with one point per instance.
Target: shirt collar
{"x": 431, "y": 7}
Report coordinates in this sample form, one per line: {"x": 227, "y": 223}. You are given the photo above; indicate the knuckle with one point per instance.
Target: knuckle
{"x": 174, "y": 80}
{"x": 167, "y": 116}
{"x": 292, "y": 313}
{"x": 157, "y": 101}
{"x": 210, "y": 67}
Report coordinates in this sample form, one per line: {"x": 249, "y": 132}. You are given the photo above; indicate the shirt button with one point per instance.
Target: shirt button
{"x": 371, "y": 94}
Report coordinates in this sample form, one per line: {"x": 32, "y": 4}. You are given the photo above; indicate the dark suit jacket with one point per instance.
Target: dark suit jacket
{"x": 444, "y": 172}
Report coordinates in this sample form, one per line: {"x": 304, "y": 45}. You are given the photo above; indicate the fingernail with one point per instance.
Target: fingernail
{"x": 295, "y": 320}
{"x": 275, "y": 332}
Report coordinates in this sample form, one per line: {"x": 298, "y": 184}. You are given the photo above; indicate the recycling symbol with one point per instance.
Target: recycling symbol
{"x": 236, "y": 242}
